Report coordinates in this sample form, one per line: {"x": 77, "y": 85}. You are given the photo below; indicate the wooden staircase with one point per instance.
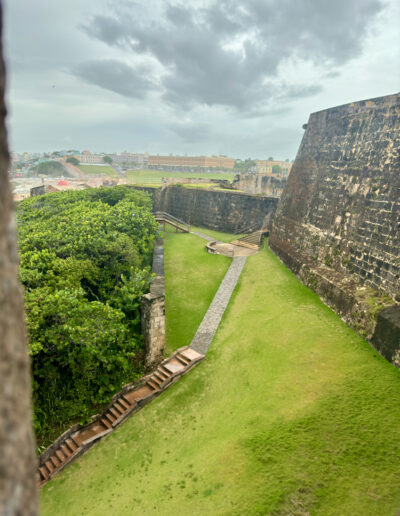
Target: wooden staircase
{"x": 251, "y": 239}
{"x": 131, "y": 398}
{"x": 165, "y": 218}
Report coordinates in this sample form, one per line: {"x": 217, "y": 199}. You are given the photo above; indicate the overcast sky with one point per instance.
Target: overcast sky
{"x": 235, "y": 77}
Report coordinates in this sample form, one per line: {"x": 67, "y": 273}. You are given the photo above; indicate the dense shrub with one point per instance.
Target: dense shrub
{"x": 85, "y": 263}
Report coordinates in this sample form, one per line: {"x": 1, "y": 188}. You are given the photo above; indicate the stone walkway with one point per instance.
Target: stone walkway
{"x": 209, "y": 325}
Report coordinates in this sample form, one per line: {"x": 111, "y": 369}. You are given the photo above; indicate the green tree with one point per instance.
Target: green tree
{"x": 72, "y": 160}
{"x": 84, "y": 263}
{"x": 49, "y": 168}
{"x": 277, "y": 170}
{"x": 107, "y": 159}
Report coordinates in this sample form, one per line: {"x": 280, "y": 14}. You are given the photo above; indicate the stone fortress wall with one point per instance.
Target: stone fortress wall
{"x": 337, "y": 225}
{"x": 232, "y": 212}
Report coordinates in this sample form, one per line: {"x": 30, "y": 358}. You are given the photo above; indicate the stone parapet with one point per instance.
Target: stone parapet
{"x": 153, "y": 311}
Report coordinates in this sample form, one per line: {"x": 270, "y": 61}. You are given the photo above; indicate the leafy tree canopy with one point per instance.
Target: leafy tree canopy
{"x": 277, "y": 169}
{"x": 49, "y": 168}
{"x": 85, "y": 263}
{"x": 73, "y": 161}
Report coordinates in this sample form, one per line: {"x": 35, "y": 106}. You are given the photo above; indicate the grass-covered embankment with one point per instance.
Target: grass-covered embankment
{"x": 192, "y": 277}
{"x": 98, "y": 170}
{"x": 290, "y": 413}
{"x": 217, "y": 235}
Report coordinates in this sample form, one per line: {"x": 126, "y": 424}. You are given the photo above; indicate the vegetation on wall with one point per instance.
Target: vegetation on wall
{"x": 49, "y": 168}
{"x": 85, "y": 262}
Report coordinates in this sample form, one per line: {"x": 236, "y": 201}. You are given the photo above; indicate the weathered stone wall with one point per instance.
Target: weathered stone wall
{"x": 222, "y": 211}
{"x": 338, "y": 216}
{"x": 153, "y": 311}
{"x": 260, "y": 184}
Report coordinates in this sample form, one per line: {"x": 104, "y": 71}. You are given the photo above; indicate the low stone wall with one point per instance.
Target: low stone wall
{"x": 153, "y": 311}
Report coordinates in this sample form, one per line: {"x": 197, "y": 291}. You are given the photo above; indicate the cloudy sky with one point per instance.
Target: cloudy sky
{"x": 235, "y": 77}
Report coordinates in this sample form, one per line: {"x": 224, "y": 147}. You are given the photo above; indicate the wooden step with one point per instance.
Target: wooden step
{"x": 71, "y": 445}
{"x": 125, "y": 399}
{"x": 123, "y": 403}
{"x": 75, "y": 441}
{"x": 66, "y": 451}
{"x": 49, "y": 466}
{"x": 245, "y": 244}
{"x": 156, "y": 380}
{"x": 60, "y": 456}
{"x": 104, "y": 421}
{"x": 159, "y": 377}
{"x": 55, "y": 461}
{"x": 162, "y": 373}
{"x": 165, "y": 371}
{"x": 111, "y": 418}
{"x": 153, "y": 385}
{"x": 44, "y": 473}
{"x": 117, "y": 408}
{"x": 183, "y": 360}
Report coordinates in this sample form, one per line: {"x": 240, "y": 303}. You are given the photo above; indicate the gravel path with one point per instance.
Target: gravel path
{"x": 209, "y": 325}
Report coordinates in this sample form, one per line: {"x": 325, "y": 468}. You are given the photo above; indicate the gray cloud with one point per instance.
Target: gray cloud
{"x": 231, "y": 53}
{"x": 190, "y": 76}
{"x": 191, "y": 130}
{"x": 116, "y": 76}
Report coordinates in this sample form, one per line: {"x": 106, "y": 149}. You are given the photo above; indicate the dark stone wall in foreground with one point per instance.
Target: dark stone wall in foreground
{"x": 337, "y": 225}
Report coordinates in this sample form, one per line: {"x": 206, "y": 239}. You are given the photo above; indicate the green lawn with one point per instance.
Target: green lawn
{"x": 290, "y": 413}
{"x": 98, "y": 170}
{"x": 218, "y": 235}
{"x": 192, "y": 277}
{"x": 155, "y": 176}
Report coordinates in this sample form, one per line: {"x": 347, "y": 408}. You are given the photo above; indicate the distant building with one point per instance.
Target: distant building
{"x": 269, "y": 167}
{"x": 86, "y": 157}
{"x": 130, "y": 158}
{"x": 192, "y": 161}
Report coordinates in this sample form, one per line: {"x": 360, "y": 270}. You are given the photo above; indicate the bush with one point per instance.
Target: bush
{"x": 85, "y": 263}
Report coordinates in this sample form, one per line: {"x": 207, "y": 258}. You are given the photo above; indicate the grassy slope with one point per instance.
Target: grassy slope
{"x": 192, "y": 278}
{"x": 218, "y": 235}
{"x": 98, "y": 170}
{"x": 155, "y": 176}
{"x": 290, "y": 413}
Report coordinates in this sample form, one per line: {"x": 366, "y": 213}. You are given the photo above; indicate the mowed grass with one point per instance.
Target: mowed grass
{"x": 155, "y": 176}
{"x": 98, "y": 170}
{"x": 218, "y": 235}
{"x": 192, "y": 277}
{"x": 290, "y": 413}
